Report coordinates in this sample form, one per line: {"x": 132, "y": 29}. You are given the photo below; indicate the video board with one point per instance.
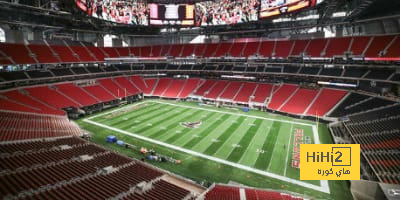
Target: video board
{"x": 124, "y": 12}
{"x": 270, "y": 8}
{"x": 172, "y": 14}
{"x": 223, "y": 12}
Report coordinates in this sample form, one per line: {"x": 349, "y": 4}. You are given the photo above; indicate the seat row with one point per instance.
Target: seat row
{"x": 370, "y": 47}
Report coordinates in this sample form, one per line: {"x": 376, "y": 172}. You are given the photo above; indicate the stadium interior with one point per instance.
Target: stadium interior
{"x": 196, "y": 99}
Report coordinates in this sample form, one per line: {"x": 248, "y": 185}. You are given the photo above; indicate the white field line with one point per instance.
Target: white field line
{"x": 324, "y": 184}
{"x": 224, "y": 112}
{"x": 289, "y": 147}
{"x": 125, "y": 107}
{"x": 251, "y": 144}
{"x": 315, "y": 133}
{"x": 233, "y": 148}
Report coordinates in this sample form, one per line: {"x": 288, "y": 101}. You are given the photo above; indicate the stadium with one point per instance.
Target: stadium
{"x": 196, "y": 99}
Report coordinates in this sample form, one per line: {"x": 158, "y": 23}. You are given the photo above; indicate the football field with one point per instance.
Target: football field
{"x": 251, "y": 142}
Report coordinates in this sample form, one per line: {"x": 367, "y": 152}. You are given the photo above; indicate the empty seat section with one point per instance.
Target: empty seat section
{"x": 326, "y": 100}
{"x": 199, "y": 50}
{"x": 263, "y": 91}
{"x": 161, "y": 190}
{"x": 18, "y": 52}
{"x": 150, "y": 85}
{"x": 283, "y": 48}
{"x": 299, "y": 102}
{"x": 210, "y": 50}
{"x": 231, "y": 90}
{"x": 43, "y": 53}
{"x": 112, "y": 87}
{"x": 138, "y": 82}
{"x": 395, "y": 77}
{"x": 205, "y": 87}
{"x": 368, "y": 104}
{"x": 354, "y": 72}
{"x": 122, "y": 51}
{"x": 331, "y": 71}
{"x": 310, "y": 70}
{"x": 64, "y": 53}
{"x": 5, "y": 59}
{"x": 251, "y": 49}
{"x": 7, "y": 104}
{"x": 14, "y": 75}
{"x": 223, "y": 192}
{"x": 316, "y": 47}
{"x": 77, "y": 94}
{"x": 123, "y": 67}
{"x": 51, "y": 97}
{"x": 223, "y": 49}
{"x": 112, "y": 53}
{"x": 266, "y": 48}
{"x": 42, "y": 157}
{"x": 28, "y": 101}
{"x": 165, "y": 50}
{"x": 393, "y": 49}
{"x": 99, "y": 92}
{"x": 61, "y": 71}
{"x": 190, "y": 86}
{"x": 145, "y": 51}
{"x": 135, "y": 51}
{"x": 281, "y": 95}
{"x": 176, "y": 50}
{"x": 378, "y": 44}
{"x": 337, "y": 46}
{"x": 351, "y": 99}
{"x": 34, "y": 145}
{"x": 174, "y": 88}
{"x": 39, "y": 74}
{"x": 126, "y": 84}
{"x": 18, "y": 126}
{"x": 79, "y": 70}
{"x": 237, "y": 49}
{"x": 156, "y": 51}
{"x": 94, "y": 69}
{"x": 62, "y": 171}
{"x": 299, "y": 47}
{"x": 187, "y": 50}
{"x": 161, "y": 86}
{"x": 217, "y": 89}
{"x": 379, "y": 74}
{"x": 98, "y": 187}
{"x": 252, "y": 194}
{"x": 245, "y": 92}
{"x": 97, "y": 53}
{"x": 83, "y": 54}
{"x": 359, "y": 44}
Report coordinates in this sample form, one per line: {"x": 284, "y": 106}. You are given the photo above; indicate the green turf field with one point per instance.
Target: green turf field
{"x": 217, "y": 144}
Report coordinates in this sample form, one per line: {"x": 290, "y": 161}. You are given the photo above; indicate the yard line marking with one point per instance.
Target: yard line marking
{"x": 288, "y": 147}
{"x": 236, "y": 165}
{"x": 250, "y": 145}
